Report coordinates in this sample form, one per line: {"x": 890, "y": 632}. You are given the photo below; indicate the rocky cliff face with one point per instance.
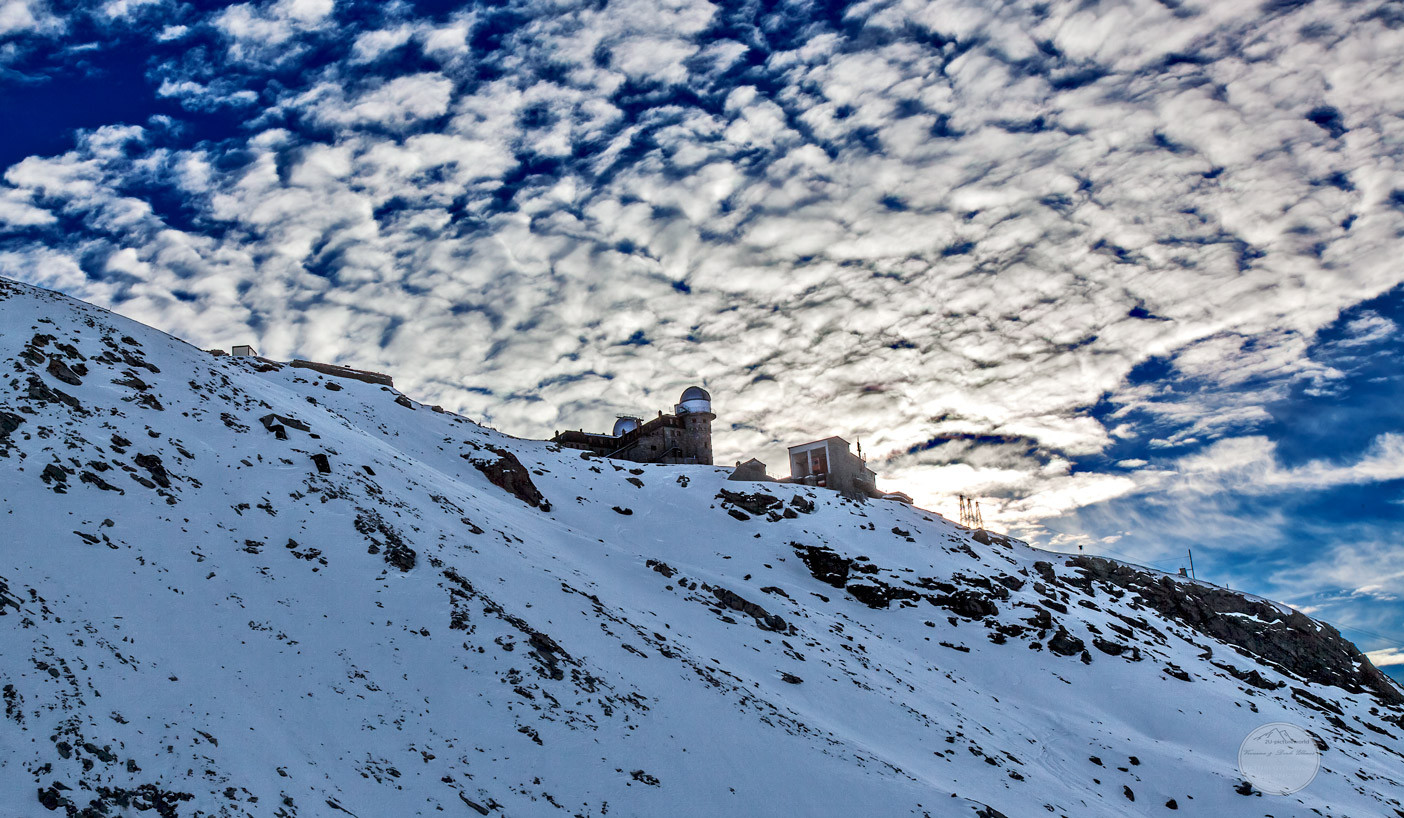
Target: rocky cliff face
{"x": 234, "y": 587}
{"x": 1265, "y": 631}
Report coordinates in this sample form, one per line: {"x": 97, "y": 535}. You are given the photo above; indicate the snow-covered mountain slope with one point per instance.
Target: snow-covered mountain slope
{"x": 211, "y": 611}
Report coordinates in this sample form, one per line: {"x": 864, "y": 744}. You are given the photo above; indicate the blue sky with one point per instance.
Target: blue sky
{"x": 1127, "y": 271}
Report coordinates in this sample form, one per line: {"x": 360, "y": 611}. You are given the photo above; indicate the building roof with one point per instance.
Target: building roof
{"x": 694, "y": 393}
{"x": 821, "y": 440}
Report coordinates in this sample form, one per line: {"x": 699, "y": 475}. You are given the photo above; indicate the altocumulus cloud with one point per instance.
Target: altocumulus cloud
{"x": 1074, "y": 258}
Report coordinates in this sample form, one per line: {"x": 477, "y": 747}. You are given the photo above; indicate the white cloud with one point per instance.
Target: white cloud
{"x": 397, "y": 103}
{"x": 1249, "y": 465}
{"x": 125, "y": 8}
{"x": 876, "y": 237}
{"x": 1367, "y": 329}
{"x": 262, "y": 33}
{"x": 17, "y": 210}
{"x": 27, "y": 17}
{"x": 373, "y": 44}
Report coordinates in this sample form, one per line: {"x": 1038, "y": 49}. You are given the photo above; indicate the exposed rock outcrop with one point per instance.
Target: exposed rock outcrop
{"x": 508, "y": 474}
{"x": 764, "y": 619}
{"x": 61, "y": 371}
{"x": 824, "y": 564}
{"x": 153, "y": 466}
{"x": 345, "y": 372}
{"x": 1312, "y": 650}
{"x": 8, "y": 423}
{"x": 756, "y": 503}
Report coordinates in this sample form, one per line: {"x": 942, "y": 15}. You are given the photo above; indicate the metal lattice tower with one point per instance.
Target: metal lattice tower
{"x": 970, "y": 515}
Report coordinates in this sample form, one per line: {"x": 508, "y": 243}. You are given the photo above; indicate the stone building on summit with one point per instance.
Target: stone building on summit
{"x": 826, "y": 463}
{"x": 682, "y": 437}
{"x": 685, "y": 437}
{"x": 829, "y": 463}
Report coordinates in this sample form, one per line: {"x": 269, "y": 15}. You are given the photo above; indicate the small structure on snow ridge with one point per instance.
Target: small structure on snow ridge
{"x": 752, "y": 469}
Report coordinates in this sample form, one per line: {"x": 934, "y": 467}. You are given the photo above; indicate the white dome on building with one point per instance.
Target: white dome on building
{"x": 625, "y": 425}
{"x": 694, "y": 399}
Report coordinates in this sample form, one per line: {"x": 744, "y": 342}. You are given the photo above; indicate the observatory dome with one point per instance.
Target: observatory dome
{"x": 694, "y": 399}
{"x": 625, "y": 425}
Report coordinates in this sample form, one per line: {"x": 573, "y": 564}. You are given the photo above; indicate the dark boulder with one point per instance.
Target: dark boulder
{"x": 275, "y": 422}
{"x": 40, "y": 393}
{"x": 825, "y": 565}
{"x": 53, "y": 475}
{"x": 1176, "y": 672}
{"x": 8, "y": 423}
{"x": 97, "y": 482}
{"x": 152, "y": 464}
{"x": 877, "y": 594}
{"x": 508, "y": 474}
{"x": 130, "y": 380}
{"x": 1064, "y": 643}
{"x": 60, "y": 370}
{"x": 1251, "y": 677}
{"x": 764, "y": 619}
{"x": 986, "y": 538}
{"x": 969, "y": 604}
{"x": 874, "y": 596}
{"x": 400, "y": 555}
{"x": 756, "y": 503}
{"x": 1108, "y": 647}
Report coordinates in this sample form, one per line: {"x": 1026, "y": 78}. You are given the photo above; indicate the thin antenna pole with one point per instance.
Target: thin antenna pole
{"x": 1190, "y": 552}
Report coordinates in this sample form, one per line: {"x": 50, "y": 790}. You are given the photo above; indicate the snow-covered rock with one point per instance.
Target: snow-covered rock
{"x": 234, "y": 587}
